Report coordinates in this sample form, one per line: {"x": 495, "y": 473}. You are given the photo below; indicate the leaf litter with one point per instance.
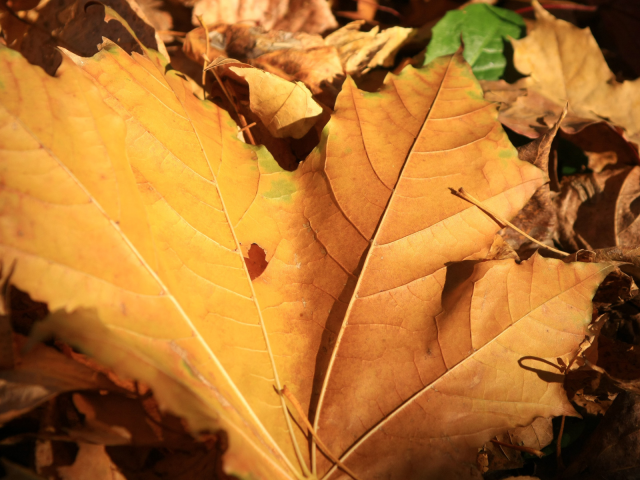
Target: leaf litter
{"x": 244, "y": 282}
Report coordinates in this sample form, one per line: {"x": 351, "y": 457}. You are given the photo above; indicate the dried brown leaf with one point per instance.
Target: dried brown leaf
{"x": 311, "y": 16}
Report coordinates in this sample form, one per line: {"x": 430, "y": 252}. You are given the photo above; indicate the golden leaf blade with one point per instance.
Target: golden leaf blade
{"x": 502, "y": 328}
{"x": 390, "y": 345}
{"x": 133, "y": 241}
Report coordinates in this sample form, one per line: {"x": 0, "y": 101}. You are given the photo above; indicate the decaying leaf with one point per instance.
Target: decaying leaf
{"x": 599, "y": 210}
{"x": 565, "y": 64}
{"x": 361, "y": 51}
{"x": 311, "y": 16}
{"x": 40, "y": 375}
{"x": 292, "y": 56}
{"x": 613, "y": 450}
{"x": 287, "y": 109}
{"x": 74, "y": 25}
{"x": 535, "y": 436}
{"x": 376, "y": 307}
{"x": 604, "y": 146}
{"x": 538, "y": 218}
{"x": 483, "y": 29}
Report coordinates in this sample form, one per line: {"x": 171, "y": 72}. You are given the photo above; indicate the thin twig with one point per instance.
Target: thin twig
{"x": 382, "y": 8}
{"x": 559, "y": 446}
{"x": 532, "y": 451}
{"x": 469, "y": 198}
{"x": 246, "y": 129}
{"x": 298, "y": 408}
{"x": 206, "y": 53}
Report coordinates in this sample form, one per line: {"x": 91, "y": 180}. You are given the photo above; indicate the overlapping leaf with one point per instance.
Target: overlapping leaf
{"x": 363, "y": 309}
{"x": 483, "y": 29}
{"x": 564, "y": 64}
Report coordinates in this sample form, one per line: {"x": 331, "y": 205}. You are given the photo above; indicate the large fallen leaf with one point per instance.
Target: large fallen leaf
{"x": 139, "y": 254}
{"x": 565, "y": 64}
{"x": 153, "y": 254}
{"x": 287, "y": 109}
{"x": 483, "y": 29}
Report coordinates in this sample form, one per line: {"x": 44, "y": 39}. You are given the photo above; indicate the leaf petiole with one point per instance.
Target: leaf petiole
{"x": 469, "y": 198}
{"x": 298, "y": 408}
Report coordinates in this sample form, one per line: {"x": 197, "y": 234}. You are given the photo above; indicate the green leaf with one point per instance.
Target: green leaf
{"x": 483, "y": 29}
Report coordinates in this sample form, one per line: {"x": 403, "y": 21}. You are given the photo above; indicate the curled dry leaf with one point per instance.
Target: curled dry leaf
{"x": 599, "y": 210}
{"x": 292, "y": 56}
{"x": 245, "y": 42}
{"x": 538, "y": 218}
{"x": 613, "y": 450}
{"x": 604, "y": 146}
{"x": 565, "y": 64}
{"x": 311, "y": 16}
{"x": 362, "y": 51}
{"x": 40, "y": 375}
{"x": 375, "y": 307}
{"x": 287, "y": 109}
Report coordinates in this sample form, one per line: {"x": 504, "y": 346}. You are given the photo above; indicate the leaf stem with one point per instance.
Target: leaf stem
{"x": 559, "y": 446}
{"x": 206, "y": 53}
{"x": 469, "y": 198}
{"x": 298, "y": 408}
{"x": 246, "y": 129}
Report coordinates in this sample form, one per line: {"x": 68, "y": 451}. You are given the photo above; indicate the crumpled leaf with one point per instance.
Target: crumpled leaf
{"x": 538, "y": 218}
{"x": 311, "y": 16}
{"x": 565, "y": 64}
{"x": 362, "y": 51}
{"x": 143, "y": 264}
{"x": 484, "y": 29}
{"x": 287, "y": 109}
{"x": 292, "y": 56}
